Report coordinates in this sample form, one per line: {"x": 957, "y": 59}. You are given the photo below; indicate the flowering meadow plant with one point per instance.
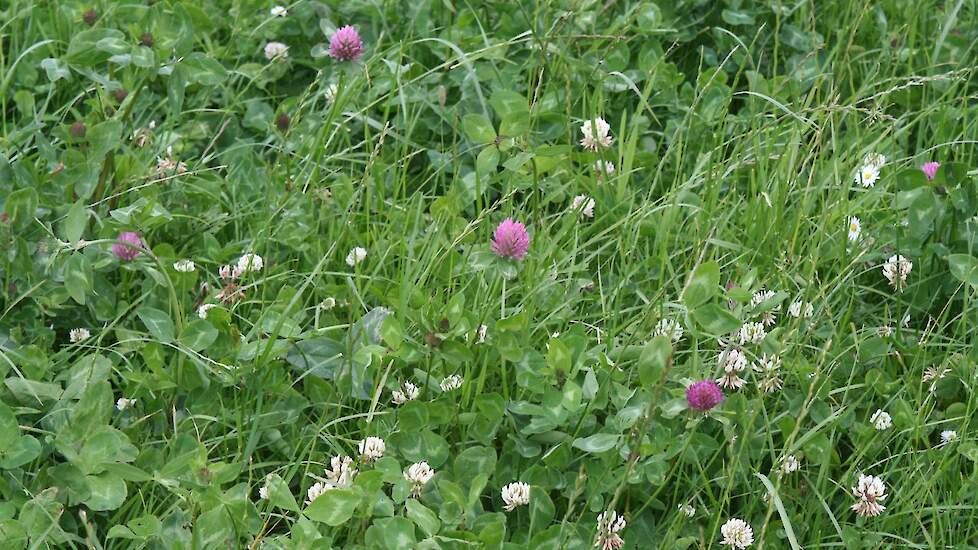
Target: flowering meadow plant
{"x": 572, "y": 275}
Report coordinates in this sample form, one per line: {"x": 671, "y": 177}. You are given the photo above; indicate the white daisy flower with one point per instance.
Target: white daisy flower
{"x": 855, "y": 228}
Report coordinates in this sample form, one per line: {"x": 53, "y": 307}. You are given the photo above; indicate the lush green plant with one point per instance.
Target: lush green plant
{"x": 151, "y": 402}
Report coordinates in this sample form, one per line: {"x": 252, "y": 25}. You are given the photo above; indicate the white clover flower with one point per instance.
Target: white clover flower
{"x": 279, "y": 11}
{"x": 760, "y": 297}
{"x": 604, "y": 169}
{"x": 752, "y": 333}
{"x": 328, "y": 303}
{"x": 341, "y": 471}
{"x": 276, "y": 50}
{"x": 263, "y": 492}
{"x": 583, "y": 204}
{"x": 515, "y": 494}
{"x": 451, "y": 382}
{"x": 799, "y": 308}
{"x": 418, "y": 474}
{"x": 203, "y": 309}
{"x": 76, "y": 335}
{"x": 228, "y": 272}
{"x": 790, "y": 464}
{"x": 124, "y": 403}
{"x": 483, "y": 329}
{"x": 770, "y": 369}
{"x": 330, "y": 93}
{"x": 884, "y": 331}
{"x": 948, "y": 436}
{"x": 855, "y": 228}
{"x": 184, "y": 266}
{"x": 356, "y": 255}
{"x": 870, "y": 490}
{"x": 316, "y": 490}
{"x": 733, "y": 362}
{"x": 371, "y": 449}
{"x": 250, "y": 262}
{"x": 874, "y": 159}
{"x": 933, "y": 374}
{"x": 881, "y": 420}
{"x": 610, "y": 525}
{"x": 596, "y": 134}
{"x": 669, "y": 328}
{"x": 407, "y": 392}
{"x": 687, "y": 509}
{"x": 737, "y": 533}
{"x": 896, "y": 270}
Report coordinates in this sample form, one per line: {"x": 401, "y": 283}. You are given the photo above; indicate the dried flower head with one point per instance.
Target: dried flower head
{"x": 871, "y": 491}
{"x": 610, "y": 525}
{"x": 733, "y": 362}
{"x": 896, "y": 269}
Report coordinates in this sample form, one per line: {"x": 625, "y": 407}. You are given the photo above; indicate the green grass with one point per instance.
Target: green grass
{"x": 737, "y": 129}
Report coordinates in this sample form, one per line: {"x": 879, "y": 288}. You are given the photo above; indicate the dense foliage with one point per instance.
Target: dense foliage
{"x": 496, "y": 274}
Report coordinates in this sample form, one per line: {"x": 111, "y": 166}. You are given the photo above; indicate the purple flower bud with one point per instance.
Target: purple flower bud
{"x": 127, "y": 246}
{"x": 511, "y": 240}
{"x": 345, "y": 44}
{"x": 704, "y": 395}
{"x": 930, "y": 169}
